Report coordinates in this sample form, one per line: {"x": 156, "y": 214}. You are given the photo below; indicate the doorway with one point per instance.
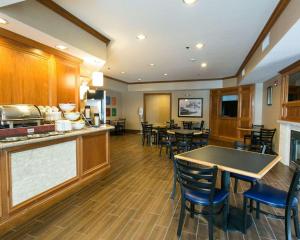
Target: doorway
{"x": 157, "y": 107}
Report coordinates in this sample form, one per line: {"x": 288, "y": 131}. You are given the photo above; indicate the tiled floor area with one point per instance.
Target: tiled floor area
{"x": 133, "y": 202}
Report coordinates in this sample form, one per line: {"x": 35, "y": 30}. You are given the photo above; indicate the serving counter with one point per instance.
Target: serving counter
{"x": 38, "y": 173}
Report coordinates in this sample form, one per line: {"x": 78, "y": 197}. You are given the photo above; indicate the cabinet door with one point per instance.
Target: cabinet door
{"x": 32, "y": 73}
{"x": 95, "y": 152}
{"x": 7, "y": 72}
{"x": 67, "y": 81}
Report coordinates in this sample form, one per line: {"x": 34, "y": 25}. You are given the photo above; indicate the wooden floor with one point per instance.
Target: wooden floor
{"x": 133, "y": 202}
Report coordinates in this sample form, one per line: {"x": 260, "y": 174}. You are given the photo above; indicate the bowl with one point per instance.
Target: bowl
{"x": 72, "y": 116}
{"x": 52, "y": 116}
{"x": 78, "y": 125}
{"x": 67, "y": 107}
{"x": 63, "y": 125}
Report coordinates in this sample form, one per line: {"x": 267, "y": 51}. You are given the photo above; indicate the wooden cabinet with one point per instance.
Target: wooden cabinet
{"x": 223, "y": 127}
{"x": 95, "y": 152}
{"x": 290, "y": 110}
{"x": 34, "y": 76}
{"x": 67, "y": 81}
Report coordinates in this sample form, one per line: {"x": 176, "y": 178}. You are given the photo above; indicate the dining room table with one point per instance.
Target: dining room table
{"x": 184, "y": 131}
{"x": 230, "y": 160}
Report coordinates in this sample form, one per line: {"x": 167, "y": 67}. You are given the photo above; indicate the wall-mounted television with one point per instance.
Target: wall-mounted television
{"x": 229, "y": 105}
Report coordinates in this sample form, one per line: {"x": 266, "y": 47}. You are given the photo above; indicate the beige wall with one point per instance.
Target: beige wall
{"x": 133, "y": 100}
{"x": 118, "y": 106}
{"x": 270, "y": 114}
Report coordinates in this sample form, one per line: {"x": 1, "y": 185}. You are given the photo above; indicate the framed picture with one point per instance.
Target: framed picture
{"x": 190, "y": 107}
{"x": 113, "y": 101}
{"x": 107, "y": 112}
{"x": 269, "y": 95}
{"x": 107, "y": 100}
{"x": 113, "y": 112}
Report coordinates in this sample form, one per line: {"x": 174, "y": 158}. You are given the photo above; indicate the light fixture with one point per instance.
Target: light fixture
{"x": 61, "y": 47}
{"x": 165, "y": 74}
{"x": 189, "y": 2}
{"x": 122, "y": 72}
{"x": 97, "y": 79}
{"x": 199, "y": 45}
{"x": 204, "y": 64}
{"x": 152, "y": 64}
{"x": 141, "y": 37}
{"x": 139, "y": 79}
{"x": 3, "y": 21}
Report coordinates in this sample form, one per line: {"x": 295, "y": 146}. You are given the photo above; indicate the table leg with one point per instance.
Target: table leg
{"x": 235, "y": 216}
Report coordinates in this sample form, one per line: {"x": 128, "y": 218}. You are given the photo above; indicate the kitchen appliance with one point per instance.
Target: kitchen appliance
{"x": 19, "y": 115}
{"x": 96, "y": 100}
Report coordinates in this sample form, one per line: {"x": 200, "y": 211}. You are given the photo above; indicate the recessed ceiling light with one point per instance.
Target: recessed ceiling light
{"x": 204, "y": 64}
{"x": 189, "y": 2}
{"x": 61, "y": 47}
{"x": 193, "y": 60}
{"x": 152, "y": 64}
{"x": 3, "y": 21}
{"x": 122, "y": 72}
{"x": 139, "y": 79}
{"x": 199, "y": 45}
{"x": 141, "y": 37}
{"x": 165, "y": 74}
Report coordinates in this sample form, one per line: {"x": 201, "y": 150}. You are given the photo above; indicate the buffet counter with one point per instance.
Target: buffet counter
{"x": 37, "y": 173}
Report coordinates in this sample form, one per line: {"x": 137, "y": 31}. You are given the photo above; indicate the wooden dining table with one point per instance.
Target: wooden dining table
{"x": 230, "y": 160}
{"x": 184, "y": 131}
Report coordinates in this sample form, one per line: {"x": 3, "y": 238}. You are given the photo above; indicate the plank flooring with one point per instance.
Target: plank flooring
{"x": 133, "y": 202}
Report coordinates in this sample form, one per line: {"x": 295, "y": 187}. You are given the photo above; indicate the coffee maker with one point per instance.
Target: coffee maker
{"x": 95, "y": 104}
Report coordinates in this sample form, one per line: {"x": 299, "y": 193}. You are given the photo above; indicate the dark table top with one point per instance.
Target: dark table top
{"x": 246, "y": 163}
{"x": 184, "y": 131}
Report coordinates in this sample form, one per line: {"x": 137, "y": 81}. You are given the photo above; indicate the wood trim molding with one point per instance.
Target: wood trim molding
{"x": 22, "y": 41}
{"x": 116, "y": 79}
{"x": 290, "y": 68}
{"x": 70, "y": 17}
{"x": 281, "y": 6}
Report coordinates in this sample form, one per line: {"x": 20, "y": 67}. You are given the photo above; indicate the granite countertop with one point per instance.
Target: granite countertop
{"x": 86, "y": 130}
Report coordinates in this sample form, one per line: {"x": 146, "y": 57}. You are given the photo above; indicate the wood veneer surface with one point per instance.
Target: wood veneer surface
{"x": 133, "y": 202}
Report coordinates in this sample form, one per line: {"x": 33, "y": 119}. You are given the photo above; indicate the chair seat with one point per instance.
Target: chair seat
{"x": 268, "y": 195}
{"x": 243, "y": 178}
{"x": 203, "y": 199}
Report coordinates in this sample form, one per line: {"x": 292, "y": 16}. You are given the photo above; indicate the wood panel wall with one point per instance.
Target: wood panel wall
{"x": 33, "y": 74}
{"x": 225, "y": 128}
{"x": 290, "y": 111}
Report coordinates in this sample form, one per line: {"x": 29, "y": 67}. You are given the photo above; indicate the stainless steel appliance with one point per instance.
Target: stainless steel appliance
{"x": 96, "y": 100}
{"x": 12, "y": 116}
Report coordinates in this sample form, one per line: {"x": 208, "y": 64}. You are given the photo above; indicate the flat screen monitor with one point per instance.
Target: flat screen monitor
{"x": 229, "y": 105}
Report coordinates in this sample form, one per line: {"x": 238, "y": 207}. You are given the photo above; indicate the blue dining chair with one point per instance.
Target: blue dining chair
{"x": 198, "y": 187}
{"x": 273, "y": 197}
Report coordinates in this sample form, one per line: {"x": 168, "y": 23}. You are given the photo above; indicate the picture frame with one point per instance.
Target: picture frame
{"x": 269, "y": 96}
{"x": 113, "y": 112}
{"x": 190, "y": 107}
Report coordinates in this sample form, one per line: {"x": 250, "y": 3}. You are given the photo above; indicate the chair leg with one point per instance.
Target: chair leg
{"x": 245, "y": 215}
{"x": 211, "y": 224}
{"x": 236, "y": 185}
{"x": 251, "y": 205}
{"x": 225, "y": 215}
{"x": 287, "y": 223}
{"x": 181, "y": 218}
{"x": 160, "y": 150}
{"x": 257, "y": 210}
{"x": 296, "y": 222}
{"x": 174, "y": 182}
{"x": 192, "y": 209}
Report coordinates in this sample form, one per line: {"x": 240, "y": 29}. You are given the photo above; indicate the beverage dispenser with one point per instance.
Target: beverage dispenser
{"x": 95, "y": 107}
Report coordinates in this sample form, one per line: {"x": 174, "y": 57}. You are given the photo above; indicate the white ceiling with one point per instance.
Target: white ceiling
{"x": 284, "y": 53}
{"x": 227, "y": 28}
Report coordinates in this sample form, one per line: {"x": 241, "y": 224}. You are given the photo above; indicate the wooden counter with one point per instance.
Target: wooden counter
{"x": 37, "y": 173}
